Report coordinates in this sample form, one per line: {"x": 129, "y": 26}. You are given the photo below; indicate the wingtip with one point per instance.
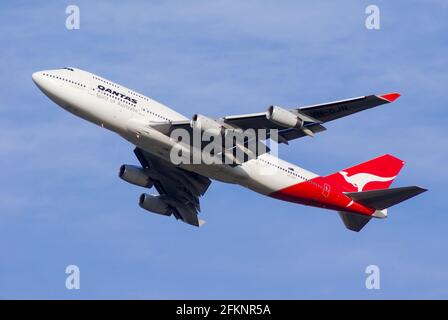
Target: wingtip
{"x": 390, "y": 97}
{"x": 421, "y": 189}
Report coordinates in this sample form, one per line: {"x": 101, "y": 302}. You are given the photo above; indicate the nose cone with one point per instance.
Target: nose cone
{"x": 38, "y": 79}
{"x": 46, "y": 85}
{"x": 45, "y": 81}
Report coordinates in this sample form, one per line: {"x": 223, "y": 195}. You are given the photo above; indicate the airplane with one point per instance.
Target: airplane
{"x": 358, "y": 193}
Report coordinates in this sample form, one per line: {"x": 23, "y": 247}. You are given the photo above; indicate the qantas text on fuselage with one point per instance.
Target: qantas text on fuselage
{"x": 116, "y": 93}
{"x": 357, "y": 193}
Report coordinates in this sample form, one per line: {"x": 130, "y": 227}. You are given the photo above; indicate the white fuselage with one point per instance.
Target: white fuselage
{"x": 126, "y": 112}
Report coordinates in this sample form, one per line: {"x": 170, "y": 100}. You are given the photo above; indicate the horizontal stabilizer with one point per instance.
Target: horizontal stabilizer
{"x": 384, "y": 198}
{"x": 354, "y": 221}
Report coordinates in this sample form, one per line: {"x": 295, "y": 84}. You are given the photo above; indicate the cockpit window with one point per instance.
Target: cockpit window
{"x": 68, "y": 69}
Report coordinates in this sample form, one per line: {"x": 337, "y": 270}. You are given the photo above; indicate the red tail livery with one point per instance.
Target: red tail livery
{"x": 357, "y": 193}
{"x": 378, "y": 173}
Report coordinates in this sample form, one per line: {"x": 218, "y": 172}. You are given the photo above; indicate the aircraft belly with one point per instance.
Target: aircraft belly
{"x": 223, "y": 173}
{"x": 267, "y": 179}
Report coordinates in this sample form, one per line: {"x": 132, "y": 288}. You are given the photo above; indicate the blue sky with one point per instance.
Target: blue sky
{"x": 62, "y": 203}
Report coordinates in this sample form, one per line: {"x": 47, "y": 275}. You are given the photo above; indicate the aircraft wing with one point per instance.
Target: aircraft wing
{"x": 313, "y": 117}
{"x": 181, "y": 189}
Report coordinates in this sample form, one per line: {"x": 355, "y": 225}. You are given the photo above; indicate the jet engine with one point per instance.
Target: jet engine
{"x": 154, "y": 204}
{"x": 135, "y": 175}
{"x": 204, "y": 123}
{"x": 283, "y": 117}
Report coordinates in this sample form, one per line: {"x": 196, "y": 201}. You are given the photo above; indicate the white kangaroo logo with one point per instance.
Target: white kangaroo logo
{"x": 360, "y": 180}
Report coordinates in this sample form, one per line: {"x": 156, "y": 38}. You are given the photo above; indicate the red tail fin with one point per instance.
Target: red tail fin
{"x": 378, "y": 173}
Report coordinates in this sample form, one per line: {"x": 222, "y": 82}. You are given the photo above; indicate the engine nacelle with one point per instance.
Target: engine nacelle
{"x": 204, "y": 123}
{"x": 154, "y": 204}
{"x": 283, "y": 117}
{"x": 135, "y": 175}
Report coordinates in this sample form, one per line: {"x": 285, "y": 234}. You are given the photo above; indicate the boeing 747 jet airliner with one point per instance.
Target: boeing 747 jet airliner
{"x": 358, "y": 193}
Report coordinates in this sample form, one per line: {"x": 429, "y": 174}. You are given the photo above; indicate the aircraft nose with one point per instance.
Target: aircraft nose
{"x": 37, "y": 78}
